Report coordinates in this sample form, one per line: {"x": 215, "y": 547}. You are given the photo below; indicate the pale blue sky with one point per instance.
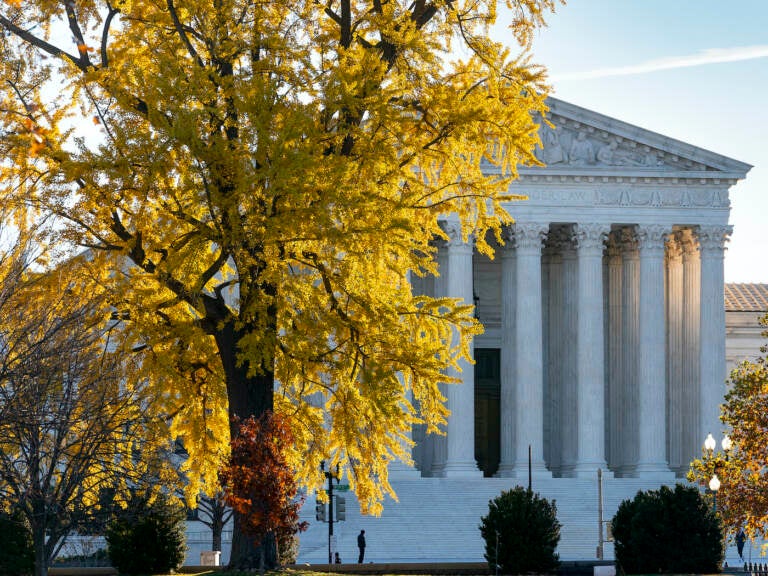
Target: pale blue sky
{"x": 695, "y": 70}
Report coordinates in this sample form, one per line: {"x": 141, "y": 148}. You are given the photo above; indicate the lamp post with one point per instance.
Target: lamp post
{"x": 330, "y": 476}
{"x": 709, "y": 447}
{"x": 714, "y": 486}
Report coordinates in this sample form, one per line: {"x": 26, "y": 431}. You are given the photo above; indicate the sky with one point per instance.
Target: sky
{"x": 694, "y": 70}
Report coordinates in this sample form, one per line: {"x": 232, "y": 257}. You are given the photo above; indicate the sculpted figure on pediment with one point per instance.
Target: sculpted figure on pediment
{"x": 582, "y": 152}
{"x": 611, "y": 155}
{"x": 552, "y": 151}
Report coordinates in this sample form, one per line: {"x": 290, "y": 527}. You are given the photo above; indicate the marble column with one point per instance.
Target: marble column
{"x": 554, "y": 346}
{"x": 675, "y": 420}
{"x": 433, "y": 461}
{"x": 691, "y": 345}
{"x": 630, "y": 339}
{"x": 460, "y": 441}
{"x": 529, "y": 382}
{"x": 590, "y": 348}
{"x": 568, "y": 371}
{"x": 615, "y": 420}
{"x": 712, "y": 364}
{"x": 507, "y": 400}
{"x": 652, "y": 458}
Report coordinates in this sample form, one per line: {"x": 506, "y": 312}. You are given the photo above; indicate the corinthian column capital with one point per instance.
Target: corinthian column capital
{"x": 591, "y": 237}
{"x": 652, "y": 239}
{"x": 530, "y": 235}
{"x": 453, "y": 231}
{"x": 712, "y": 239}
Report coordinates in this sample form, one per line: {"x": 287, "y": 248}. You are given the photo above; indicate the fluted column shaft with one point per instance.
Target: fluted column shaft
{"x": 630, "y": 285}
{"x": 614, "y": 402}
{"x": 555, "y": 352}
{"x": 434, "y": 459}
{"x": 529, "y": 399}
{"x": 460, "y": 449}
{"x": 712, "y": 241}
{"x": 568, "y": 375}
{"x": 507, "y": 399}
{"x": 652, "y": 459}
{"x": 590, "y": 350}
{"x": 675, "y": 421}
{"x": 691, "y": 346}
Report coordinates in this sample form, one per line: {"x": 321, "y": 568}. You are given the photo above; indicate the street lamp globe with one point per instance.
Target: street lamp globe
{"x": 714, "y": 483}
{"x": 727, "y": 443}
{"x": 709, "y": 443}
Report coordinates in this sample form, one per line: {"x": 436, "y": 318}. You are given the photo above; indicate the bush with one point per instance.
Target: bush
{"x": 667, "y": 531}
{"x": 17, "y": 555}
{"x": 146, "y": 539}
{"x": 527, "y": 531}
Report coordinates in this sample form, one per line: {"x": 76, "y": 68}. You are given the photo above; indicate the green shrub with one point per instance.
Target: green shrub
{"x": 147, "y": 539}
{"x": 667, "y": 531}
{"x": 17, "y": 555}
{"x": 526, "y": 529}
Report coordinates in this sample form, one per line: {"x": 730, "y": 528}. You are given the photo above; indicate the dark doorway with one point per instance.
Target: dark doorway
{"x": 487, "y": 414}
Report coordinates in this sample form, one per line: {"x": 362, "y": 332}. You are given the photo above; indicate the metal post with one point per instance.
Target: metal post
{"x": 599, "y": 514}
{"x": 529, "y": 468}
{"x": 330, "y": 516}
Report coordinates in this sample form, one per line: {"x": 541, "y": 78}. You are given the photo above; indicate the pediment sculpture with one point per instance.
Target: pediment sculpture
{"x": 562, "y": 146}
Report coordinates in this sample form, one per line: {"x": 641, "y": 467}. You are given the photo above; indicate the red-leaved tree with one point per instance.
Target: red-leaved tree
{"x": 259, "y": 483}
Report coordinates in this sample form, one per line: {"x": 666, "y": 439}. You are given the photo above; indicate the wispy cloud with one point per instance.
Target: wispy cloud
{"x": 701, "y": 58}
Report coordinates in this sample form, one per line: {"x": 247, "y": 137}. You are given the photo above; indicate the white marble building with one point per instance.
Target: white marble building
{"x": 604, "y": 318}
{"x": 604, "y": 345}
{"x": 745, "y": 305}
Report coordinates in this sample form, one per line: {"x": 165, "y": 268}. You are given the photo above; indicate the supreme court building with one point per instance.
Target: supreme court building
{"x": 604, "y": 343}
{"x": 604, "y": 352}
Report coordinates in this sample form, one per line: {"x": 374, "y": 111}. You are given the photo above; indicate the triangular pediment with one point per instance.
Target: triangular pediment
{"x": 586, "y": 142}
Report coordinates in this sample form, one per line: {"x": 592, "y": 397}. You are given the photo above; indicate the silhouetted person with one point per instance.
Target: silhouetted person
{"x": 361, "y": 546}
{"x": 740, "y": 538}
{"x": 336, "y": 558}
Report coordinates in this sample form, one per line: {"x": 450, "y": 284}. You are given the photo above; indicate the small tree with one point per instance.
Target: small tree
{"x": 214, "y": 513}
{"x": 668, "y": 531}
{"x": 147, "y": 537}
{"x": 521, "y": 532}
{"x": 17, "y": 556}
{"x": 77, "y": 420}
{"x": 260, "y": 484}
{"x": 741, "y": 500}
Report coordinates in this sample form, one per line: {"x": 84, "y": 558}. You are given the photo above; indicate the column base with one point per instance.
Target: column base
{"x": 589, "y": 470}
{"x": 461, "y": 470}
{"x": 654, "y": 470}
{"x": 400, "y": 471}
{"x": 520, "y": 470}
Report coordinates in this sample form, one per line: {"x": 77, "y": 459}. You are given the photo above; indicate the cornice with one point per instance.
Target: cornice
{"x": 586, "y": 176}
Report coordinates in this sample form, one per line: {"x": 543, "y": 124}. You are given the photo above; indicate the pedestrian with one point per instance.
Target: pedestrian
{"x": 337, "y": 558}
{"x": 361, "y": 546}
{"x": 740, "y": 537}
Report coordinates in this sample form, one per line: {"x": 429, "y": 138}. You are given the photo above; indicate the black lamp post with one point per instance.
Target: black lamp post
{"x": 331, "y": 477}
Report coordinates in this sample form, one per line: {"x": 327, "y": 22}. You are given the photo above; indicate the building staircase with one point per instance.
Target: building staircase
{"x": 437, "y": 520}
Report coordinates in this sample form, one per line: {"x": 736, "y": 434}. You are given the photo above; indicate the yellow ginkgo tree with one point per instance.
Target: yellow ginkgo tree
{"x": 262, "y": 178}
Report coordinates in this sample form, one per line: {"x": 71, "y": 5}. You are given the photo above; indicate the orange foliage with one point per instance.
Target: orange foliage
{"x": 259, "y": 483}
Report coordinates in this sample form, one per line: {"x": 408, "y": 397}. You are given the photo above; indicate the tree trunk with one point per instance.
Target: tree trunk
{"x": 248, "y": 396}
{"x": 216, "y": 529}
{"x": 41, "y": 556}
